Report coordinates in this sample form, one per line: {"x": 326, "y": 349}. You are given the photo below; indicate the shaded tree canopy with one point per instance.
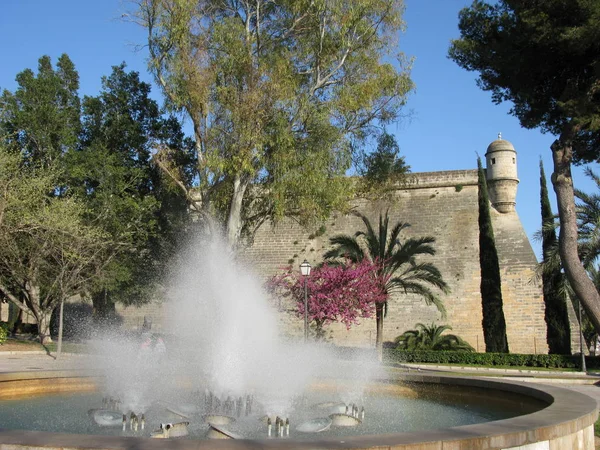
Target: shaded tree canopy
{"x": 113, "y": 171}
{"x": 542, "y": 57}
{"x": 83, "y": 208}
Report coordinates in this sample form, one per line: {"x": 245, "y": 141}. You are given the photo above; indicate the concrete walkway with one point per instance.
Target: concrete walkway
{"x": 41, "y": 361}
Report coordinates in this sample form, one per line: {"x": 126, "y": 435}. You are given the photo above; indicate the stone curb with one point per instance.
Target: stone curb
{"x": 545, "y": 374}
{"x": 28, "y": 352}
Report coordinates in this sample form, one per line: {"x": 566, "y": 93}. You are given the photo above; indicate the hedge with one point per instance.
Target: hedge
{"x": 393, "y": 356}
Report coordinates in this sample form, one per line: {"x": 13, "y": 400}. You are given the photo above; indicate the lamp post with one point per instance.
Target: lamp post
{"x": 305, "y": 271}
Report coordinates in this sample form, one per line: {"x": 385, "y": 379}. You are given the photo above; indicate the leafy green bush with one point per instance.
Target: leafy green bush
{"x": 431, "y": 337}
{"x": 489, "y": 359}
{"x": 3, "y": 332}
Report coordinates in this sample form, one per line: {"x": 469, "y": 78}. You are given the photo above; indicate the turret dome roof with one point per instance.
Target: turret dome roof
{"x": 500, "y": 145}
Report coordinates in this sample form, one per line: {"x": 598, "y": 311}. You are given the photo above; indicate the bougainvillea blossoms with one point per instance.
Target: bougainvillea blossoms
{"x": 336, "y": 293}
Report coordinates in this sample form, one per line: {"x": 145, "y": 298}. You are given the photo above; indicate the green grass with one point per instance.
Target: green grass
{"x": 24, "y": 342}
{"x": 597, "y": 428}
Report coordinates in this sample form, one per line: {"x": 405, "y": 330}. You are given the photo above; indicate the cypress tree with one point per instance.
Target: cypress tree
{"x": 557, "y": 321}
{"x": 494, "y": 325}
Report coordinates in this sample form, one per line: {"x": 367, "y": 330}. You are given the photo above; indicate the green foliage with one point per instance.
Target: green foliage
{"x": 494, "y": 325}
{"x": 280, "y": 94}
{"x": 588, "y": 221}
{"x": 47, "y": 249}
{"x": 458, "y": 187}
{"x": 41, "y": 118}
{"x": 113, "y": 173}
{"x": 3, "y": 332}
{"x": 558, "y": 333}
{"x": 431, "y": 337}
{"x": 489, "y": 359}
{"x": 85, "y": 210}
{"x": 383, "y": 169}
{"x": 553, "y": 83}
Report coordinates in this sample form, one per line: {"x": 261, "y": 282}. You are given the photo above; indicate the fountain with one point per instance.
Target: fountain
{"x": 226, "y": 373}
{"x": 223, "y": 345}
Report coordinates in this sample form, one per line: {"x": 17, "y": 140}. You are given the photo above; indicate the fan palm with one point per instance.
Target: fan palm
{"x": 399, "y": 270}
{"x": 588, "y": 221}
{"x": 430, "y": 337}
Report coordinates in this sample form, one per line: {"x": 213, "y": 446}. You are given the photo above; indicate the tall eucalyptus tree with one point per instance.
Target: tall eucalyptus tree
{"x": 279, "y": 94}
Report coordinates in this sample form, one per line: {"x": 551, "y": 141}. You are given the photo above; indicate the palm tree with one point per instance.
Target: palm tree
{"x": 399, "y": 270}
{"x": 430, "y": 337}
{"x": 588, "y": 221}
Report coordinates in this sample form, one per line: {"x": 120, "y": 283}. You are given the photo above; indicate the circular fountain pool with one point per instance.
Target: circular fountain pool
{"x": 402, "y": 410}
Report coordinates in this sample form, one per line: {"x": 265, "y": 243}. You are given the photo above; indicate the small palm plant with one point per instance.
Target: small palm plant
{"x": 431, "y": 337}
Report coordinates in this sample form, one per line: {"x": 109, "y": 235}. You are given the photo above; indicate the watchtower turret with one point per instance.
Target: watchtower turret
{"x": 501, "y": 174}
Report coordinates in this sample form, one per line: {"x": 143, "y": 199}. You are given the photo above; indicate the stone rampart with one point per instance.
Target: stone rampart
{"x": 443, "y": 205}
{"x": 439, "y": 204}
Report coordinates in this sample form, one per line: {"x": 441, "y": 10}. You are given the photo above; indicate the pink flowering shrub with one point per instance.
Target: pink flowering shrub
{"x": 335, "y": 293}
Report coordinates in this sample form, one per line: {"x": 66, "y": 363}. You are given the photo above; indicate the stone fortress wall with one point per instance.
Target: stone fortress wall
{"x": 440, "y": 204}
{"x": 443, "y": 205}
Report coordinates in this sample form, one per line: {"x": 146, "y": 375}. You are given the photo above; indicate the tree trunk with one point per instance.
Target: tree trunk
{"x": 103, "y": 309}
{"x": 234, "y": 221}
{"x": 43, "y": 322}
{"x": 60, "y": 328}
{"x": 17, "y": 323}
{"x": 562, "y": 154}
{"x": 379, "y": 336}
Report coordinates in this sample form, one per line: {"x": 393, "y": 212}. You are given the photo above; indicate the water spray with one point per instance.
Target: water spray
{"x": 238, "y": 409}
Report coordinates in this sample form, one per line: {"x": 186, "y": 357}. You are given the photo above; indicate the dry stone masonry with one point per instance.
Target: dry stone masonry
{"x": 440, "y": 204}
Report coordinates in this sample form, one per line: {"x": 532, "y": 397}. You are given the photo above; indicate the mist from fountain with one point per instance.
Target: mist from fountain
{"x": 222, "y": 338}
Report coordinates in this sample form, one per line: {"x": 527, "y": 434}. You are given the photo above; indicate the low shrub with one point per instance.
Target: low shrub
{"x": 394, "y": 356}
{"x": 3, "y": 332}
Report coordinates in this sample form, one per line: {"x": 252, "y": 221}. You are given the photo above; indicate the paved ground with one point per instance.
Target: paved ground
{"x": 34, "y": 361}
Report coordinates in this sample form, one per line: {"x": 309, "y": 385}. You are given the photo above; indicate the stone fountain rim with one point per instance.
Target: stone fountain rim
{"x": 568, "y": 413}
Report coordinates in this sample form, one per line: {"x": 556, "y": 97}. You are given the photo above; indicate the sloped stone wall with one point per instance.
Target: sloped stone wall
{"x": 439, "y": 204}
{"x": 443, "y": 205}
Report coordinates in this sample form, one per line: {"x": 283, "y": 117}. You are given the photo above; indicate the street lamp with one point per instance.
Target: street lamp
{"x": 305, "y": 271}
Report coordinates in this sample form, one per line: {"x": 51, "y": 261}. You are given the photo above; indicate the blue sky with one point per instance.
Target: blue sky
{"x": 449, "y": 120}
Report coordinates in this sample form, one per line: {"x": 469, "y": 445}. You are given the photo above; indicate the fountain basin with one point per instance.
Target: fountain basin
{"x": 566, "y": 423}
